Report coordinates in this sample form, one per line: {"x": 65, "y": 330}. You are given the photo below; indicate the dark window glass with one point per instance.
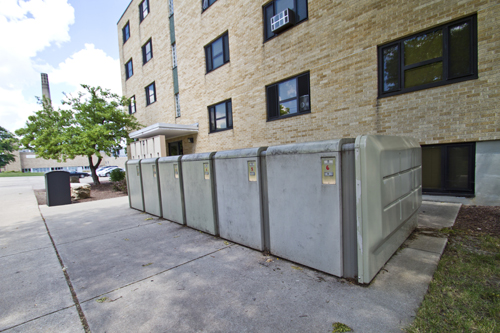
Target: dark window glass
{"x": 390, "y": 68}
{"x": 288, "y": 97}
{"x": 126, "y": 32}
{"x": 221, "y": 116}
{"x": 424, "y": 60}
{"x": 129, "y": 69}
{"x": 175, "y": 148}
{"x": 448, "y": 169}
{"x": 206, "y": 3}
{"x": 132, "y": 107}
{"x": 147, "y": 52}
{"x": 299, "y": 7}
{"x": 150, "y": 94}
{"x": 217, "y": 53}
{"x": 460, "y": 50}
{"x": 143, "y": 9}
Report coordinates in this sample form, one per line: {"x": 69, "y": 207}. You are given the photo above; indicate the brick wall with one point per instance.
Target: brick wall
{"x": 337, "y": 45}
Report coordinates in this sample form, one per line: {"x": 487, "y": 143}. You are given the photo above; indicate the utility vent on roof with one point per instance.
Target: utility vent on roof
{"x": 282, "y": 20}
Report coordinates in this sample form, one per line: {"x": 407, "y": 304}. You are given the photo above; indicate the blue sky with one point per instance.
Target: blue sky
{"x": 74, "y": 41}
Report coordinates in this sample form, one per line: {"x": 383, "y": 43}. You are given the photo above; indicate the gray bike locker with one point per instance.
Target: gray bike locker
{"x": 240, "y": 197}
{"x": 199, "y": 192}
{"x": 171, "y": 189}
{"x": 151, "y": 186}
{"x": 306, "y": 218}
{"x": 134, "y": 184}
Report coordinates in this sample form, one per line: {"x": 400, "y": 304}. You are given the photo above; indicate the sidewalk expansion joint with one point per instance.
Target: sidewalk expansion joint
{"x": 83, "y": 320}
{"x": 36, "y": 318}
{"x": 27, "y": 251}
{"x": 164, "y": 271}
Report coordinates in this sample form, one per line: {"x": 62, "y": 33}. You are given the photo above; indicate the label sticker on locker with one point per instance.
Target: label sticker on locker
{"x": 138, "y": 170}
{"x": 252, "y": 171}
{"x": 176, "y": 171}
{"x": 206, "y": 170}
{"x": 328, "y": 170}
{"x": 154, "y": 171}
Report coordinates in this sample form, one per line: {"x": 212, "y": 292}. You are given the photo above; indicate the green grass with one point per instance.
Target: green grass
{"x": 464, "y": 295}
{"x": 20, "y": 174}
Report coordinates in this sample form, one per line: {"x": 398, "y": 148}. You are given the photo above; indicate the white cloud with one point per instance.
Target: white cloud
{"x": 89, "y": 66}
{"x": 29, "y": 27}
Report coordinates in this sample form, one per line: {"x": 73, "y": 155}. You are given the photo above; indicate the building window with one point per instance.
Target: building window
{"x": 297, "y": 7}
{"x": 147, "y": 51}
{"x": 174, "y": 56}
{"x": 143, "y": 9}
{"x": 443, "y": 55}
{"x": 206, "y": 3}
{"x": 126, "y": 32}
{"x": 132, "y": 107}
{"x": 217, "y": 53}
{"x": 129, "y": 69}
{"x": 449, "y": 169}
{"x": 221, "y": 116}
{"x": 150, "y": 94}
{"x": 288, "y": 98}
{"x": 177, "y": 106}
{"x": 171, "y": 7}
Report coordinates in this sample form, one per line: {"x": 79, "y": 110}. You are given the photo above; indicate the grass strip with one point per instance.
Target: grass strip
{"x": 21, "y": 174}
{"x": 464, "y": 295}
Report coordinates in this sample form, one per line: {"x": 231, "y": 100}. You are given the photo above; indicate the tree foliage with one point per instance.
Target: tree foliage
{"x": 8, "y": 144}
{"x": 96, "y": 123}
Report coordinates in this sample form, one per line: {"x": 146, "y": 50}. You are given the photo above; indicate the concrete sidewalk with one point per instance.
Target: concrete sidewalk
{"x": 133, "y": 272}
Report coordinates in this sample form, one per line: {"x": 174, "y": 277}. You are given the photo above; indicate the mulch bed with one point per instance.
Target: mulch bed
{"x": 97, "y": 192}
{"x": 481, "y": 219}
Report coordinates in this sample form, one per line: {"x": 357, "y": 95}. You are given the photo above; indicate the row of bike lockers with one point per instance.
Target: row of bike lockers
{"x": 339, "y": 206}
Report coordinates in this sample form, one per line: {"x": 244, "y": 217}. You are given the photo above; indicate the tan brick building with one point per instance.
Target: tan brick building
{"x": 211, "y": 75}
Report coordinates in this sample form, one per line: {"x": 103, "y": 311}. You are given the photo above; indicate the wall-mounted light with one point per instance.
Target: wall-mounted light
{"x": 190, "y": 140}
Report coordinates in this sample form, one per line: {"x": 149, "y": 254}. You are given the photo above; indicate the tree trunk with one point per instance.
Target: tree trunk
{"x": 93, "y": 168}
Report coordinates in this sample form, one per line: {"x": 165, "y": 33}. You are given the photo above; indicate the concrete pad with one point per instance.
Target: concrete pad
{"x": 437, "y": 215}
{"x": 69, "y": 223}
{"x": 33, "y": 285}
{"x": 428, "y": 243}
{"x": 101, "y": 264}
{"x": 64, "y": 321}
{"x": 237, "y": 290}
{"x": 21, "y": 227}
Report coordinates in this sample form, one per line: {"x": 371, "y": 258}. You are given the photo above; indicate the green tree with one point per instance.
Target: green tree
{"x": 95, "y": 124}
{"x": 8, "y": 144}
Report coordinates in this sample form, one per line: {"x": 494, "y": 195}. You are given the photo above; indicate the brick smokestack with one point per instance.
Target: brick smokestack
{"x": 45, "y": 87}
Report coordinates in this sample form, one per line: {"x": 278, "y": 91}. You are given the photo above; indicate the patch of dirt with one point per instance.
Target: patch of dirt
{"x": 97, "y": 192}
{"x": 483, "y": 219}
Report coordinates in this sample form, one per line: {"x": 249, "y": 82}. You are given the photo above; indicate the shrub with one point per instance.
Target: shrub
{"x": 117, "y": 175}
{"x": 120, "y": 186}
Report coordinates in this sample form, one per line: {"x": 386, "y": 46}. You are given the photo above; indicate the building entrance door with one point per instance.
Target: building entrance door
{"x": 175, "y": 148}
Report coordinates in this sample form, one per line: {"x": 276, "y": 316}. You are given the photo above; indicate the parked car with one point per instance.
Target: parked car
{"x": 107, "y": 172}
{"x": 79, "y": 174}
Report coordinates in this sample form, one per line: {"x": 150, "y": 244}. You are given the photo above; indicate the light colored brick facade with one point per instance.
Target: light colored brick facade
{"x": 337, "y": 45}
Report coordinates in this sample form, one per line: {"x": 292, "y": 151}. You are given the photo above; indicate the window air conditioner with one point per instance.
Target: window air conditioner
{"x": 282, "y": 20}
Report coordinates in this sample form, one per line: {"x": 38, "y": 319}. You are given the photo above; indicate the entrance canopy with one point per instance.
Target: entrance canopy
{"x": 169, "y": 130}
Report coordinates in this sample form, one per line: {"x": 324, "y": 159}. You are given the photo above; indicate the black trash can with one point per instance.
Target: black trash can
{"x": 58, "y": 188}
